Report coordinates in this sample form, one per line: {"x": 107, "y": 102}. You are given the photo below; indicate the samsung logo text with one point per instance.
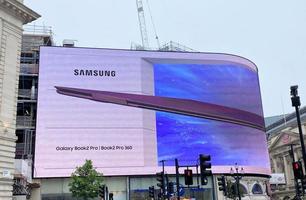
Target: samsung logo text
{"x": 89, "y": 72}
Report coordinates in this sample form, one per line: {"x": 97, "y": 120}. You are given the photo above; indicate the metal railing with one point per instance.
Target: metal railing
{"x": 25, "y": 121}
{"x": 25, "y": 149}
{"x": 29, "y": 69}
{"x": 20, "y": 149}
{"x": 27, "y": 93}
{"x": 175, "y": 46}
{"x": 37, "y": 29}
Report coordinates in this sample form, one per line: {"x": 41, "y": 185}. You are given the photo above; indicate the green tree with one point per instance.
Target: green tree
{"x": 85, "y": 181}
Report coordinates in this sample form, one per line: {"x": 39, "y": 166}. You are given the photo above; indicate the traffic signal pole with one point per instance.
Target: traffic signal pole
{"x": 167, "y": 184}
{"x": 301, "y": 135}
{"x": 177, "y": 179}
{"x": 295, "y": 179}
{"x": 295, "y": 99}
{"x": 238, "y": 187}
{"x": 163, "y": 164}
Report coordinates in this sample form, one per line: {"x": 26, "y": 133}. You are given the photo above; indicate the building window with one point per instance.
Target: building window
{"x": 257, "y": 189}
{"x": 243, "y": 190}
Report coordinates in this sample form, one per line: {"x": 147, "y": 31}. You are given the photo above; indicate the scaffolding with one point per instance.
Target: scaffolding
{"x": 34, "y": 36}
{"x": 34, "y": 29}
{"x": 175, "y": 46}
{"x": 170, "y": 46}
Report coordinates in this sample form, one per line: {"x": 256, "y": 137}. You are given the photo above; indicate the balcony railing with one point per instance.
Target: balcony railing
{"x": 23, "y": 151}
{"x": 30, "y": 69}
{"x": 20, "y": 150}
{"x": 27, "y": 93}
{"x": 25, "y": 121}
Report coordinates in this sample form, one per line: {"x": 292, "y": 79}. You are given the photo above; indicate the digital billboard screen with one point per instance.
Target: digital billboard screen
{"x": 128, "y": 110}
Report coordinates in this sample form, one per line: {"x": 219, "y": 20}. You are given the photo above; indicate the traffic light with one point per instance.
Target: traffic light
{"x": 222, "y": 185}
{"x": 188, "y": 177}
{"x": 160, "y": 177}
{"x": 102, "y": 191}
{"x": 159, "y": 196}
{"x": 300, "y": 189}
{"x": 111, "y": 196}
{"x": 303, "y": 181}
{"x": 205, "y": 168}
{"x": 170, "y": 188}
{"x": 151, "y": 192}
{"x": 302, "y": 186}
{"x": 298, "y": 170}
{"x": 295, "y": 99}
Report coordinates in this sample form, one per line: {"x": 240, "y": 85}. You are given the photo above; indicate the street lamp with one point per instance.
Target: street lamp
{"x": 237, "y": 174}
{"x": 295, "y": 100}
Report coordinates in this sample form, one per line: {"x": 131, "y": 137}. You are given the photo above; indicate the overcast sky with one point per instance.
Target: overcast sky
{"x": 270, "y": 33}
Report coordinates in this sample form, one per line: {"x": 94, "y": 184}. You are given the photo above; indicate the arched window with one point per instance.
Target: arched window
{"x": 242, "y": 189}
{"x": 257, "y": 189}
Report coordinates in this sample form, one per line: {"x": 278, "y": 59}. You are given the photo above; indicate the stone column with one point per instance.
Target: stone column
{"x": 286, "y": 172}
{"x": 13, "y": 14}
{"x": 274, "y": 163}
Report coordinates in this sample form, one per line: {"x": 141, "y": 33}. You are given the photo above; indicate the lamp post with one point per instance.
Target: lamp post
{"x": 237, "y": 174}
{"x": 295, "y": 100}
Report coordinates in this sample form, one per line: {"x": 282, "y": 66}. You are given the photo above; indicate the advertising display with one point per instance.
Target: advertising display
{"x": 128, "y": 110}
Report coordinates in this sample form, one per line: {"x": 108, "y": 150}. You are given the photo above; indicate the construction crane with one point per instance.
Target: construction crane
{"x": 142, "y": 25}
{"x": 171, "y": 46}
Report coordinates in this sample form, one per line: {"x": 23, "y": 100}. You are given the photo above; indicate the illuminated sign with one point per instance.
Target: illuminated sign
{"x": 128, "y": 110}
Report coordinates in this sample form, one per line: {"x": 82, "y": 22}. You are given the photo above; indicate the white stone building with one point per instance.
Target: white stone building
{"x": 13, "y": 14}
{"x": 281, "y": 134}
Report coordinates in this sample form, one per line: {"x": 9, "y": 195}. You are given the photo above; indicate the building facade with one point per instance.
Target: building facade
{"x": 13, "y": 14}
{"x": 254, "y": 187}
{"x": 281, "y": 134}
{"x": 32, "y": 38}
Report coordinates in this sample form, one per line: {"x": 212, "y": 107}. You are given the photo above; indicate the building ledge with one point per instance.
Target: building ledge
{"x": 8, "y": 137}
{"x": 30, "y": 75}
{"x": 21, "y": 11}
{"x": 26, "y": 100}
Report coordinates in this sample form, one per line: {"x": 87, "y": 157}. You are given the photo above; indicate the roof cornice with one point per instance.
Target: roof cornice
{"x": 290, "y": 120}
{"x": 279, "y": 136}
{"x": 20, "y": 10}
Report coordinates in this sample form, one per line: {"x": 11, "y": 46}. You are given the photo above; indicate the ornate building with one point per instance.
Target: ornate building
{"x": 13, "y": 14}
{"x": 282, "y": 133}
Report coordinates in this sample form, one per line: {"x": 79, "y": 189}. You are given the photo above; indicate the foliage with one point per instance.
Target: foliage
{"x": 232, "y": 190}
{"x": 85, "y": 181}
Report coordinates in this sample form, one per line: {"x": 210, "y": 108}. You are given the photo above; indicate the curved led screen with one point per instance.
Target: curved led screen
{"x": 128, "y": 110}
